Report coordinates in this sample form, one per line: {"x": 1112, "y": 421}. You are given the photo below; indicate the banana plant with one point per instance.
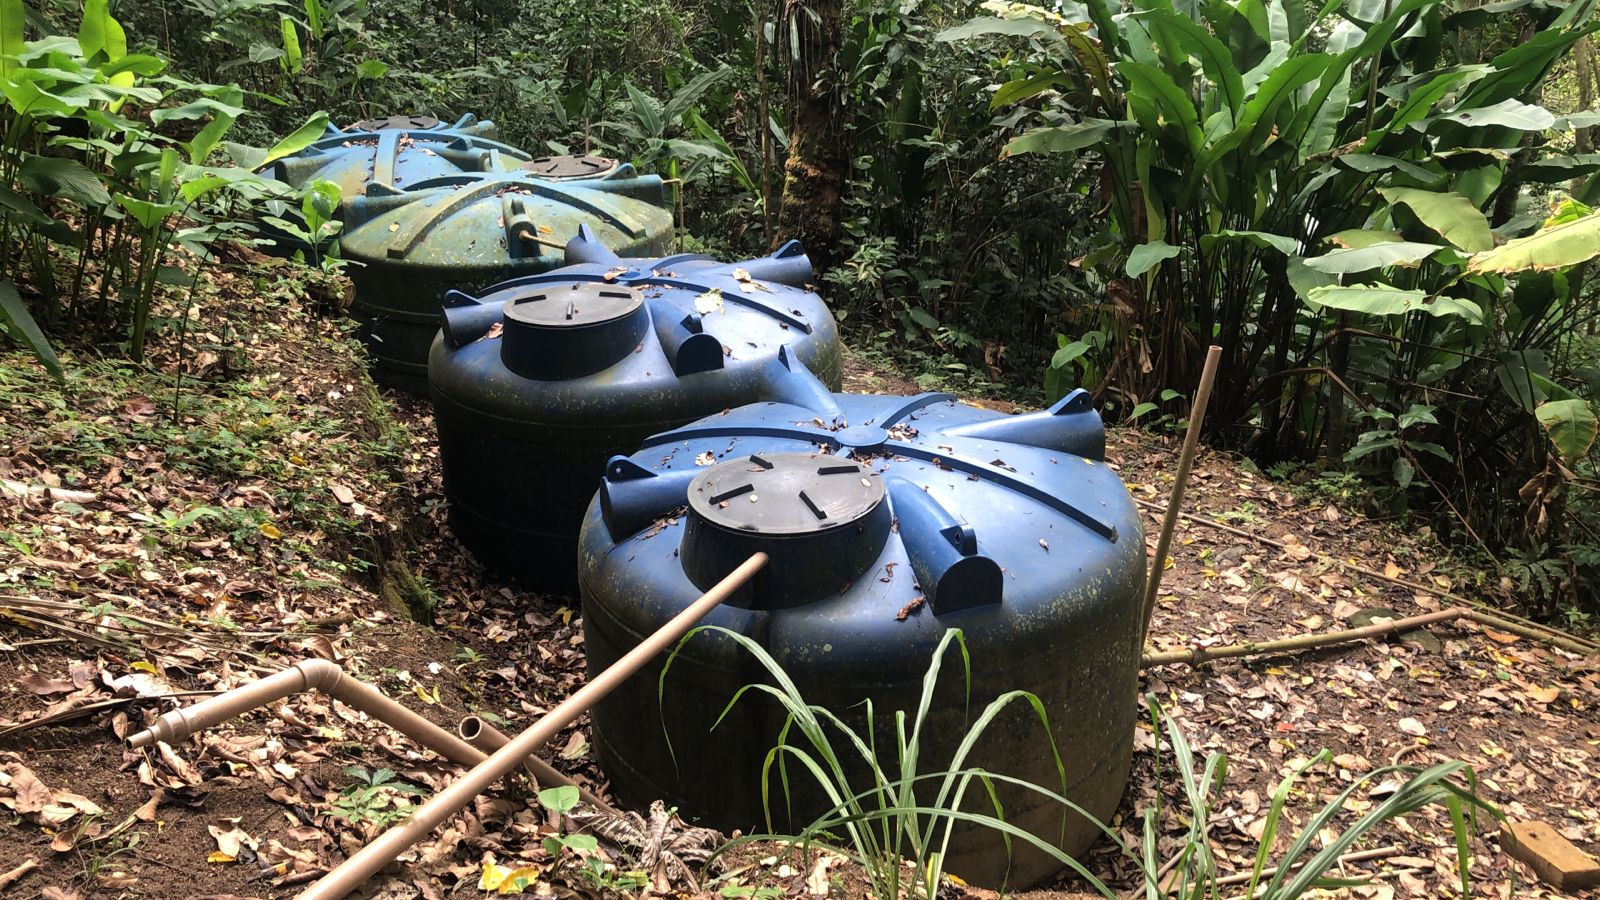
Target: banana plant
{"x": 650, "y": 136}
{"x": 1322, "y": 193}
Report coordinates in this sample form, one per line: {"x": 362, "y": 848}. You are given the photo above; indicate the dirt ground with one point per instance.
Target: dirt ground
{"x": 112, "y": 610}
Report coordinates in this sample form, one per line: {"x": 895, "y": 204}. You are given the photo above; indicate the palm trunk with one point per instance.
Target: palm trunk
{"x": 819, "y": 160}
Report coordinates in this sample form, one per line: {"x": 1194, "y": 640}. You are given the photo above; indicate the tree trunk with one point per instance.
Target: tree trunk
{"x": 819, "y": 160}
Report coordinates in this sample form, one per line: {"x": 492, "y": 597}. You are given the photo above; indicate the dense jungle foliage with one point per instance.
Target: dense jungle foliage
{"x": 1381, "y": 210}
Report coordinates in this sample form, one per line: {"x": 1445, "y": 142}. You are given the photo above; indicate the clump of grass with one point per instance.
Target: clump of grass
{"x": 882, "y": 823}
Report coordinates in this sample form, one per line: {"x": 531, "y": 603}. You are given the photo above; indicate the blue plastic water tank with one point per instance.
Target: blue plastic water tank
{"x": 537, "y": 381}
{"x": 888, "y": 520}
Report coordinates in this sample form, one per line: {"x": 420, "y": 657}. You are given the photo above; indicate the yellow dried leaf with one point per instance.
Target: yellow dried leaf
{"x": 518, "y": 880}
{"x": 217, "y": 856}
{"x": 142, "y": 666}
{"x": 493, "y": 876}
{"x": 271, "y": 530}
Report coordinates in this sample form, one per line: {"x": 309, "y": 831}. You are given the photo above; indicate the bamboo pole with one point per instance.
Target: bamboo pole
{"x": 371, "y": 859}
{"x": 1482, "y": 612}
{"x": 1197, "y": 655}
{"x": 487, "y": 738}
{"x": 1357, "y": 856}
{"x": 1197, "y": 415}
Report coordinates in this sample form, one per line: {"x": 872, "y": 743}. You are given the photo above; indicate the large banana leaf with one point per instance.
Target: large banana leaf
{"x": 1447, "y": 212}
{"x": 1553, "y": 247}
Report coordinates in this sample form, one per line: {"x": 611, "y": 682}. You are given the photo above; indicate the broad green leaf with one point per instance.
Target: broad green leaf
{"x": 1552, "y": 247}
{"x": 61, "y": 177}
{"x": 1261, "y": 110}
{"x": 993, "y": 25}
{"x": 1062, "y": 138}
{"x": 293, "y": 58}
{"x": 1356, "y": 238}
{"x": 1587, "y": 119}
{"x": 1174, "y": 31}
{"x": 314, "y": 18}
{"x": 1145, "y": 257}
{"x": 101, "y": 35}
{"x": 1552, "y": 169}
{"x": 303, "y": 137}
{"x": 1383, "y": 300}
{"x": 1284, "y": 244}
{"x": 148, "y": 214}
{"x": 98, "y": 32}
{"x": 22, "y": 206}
{"x": 1451, "y": 214}
{"x": 1305, "y": 279}
{"x": 1377, "y": 256}
{"x": 1505, "y": 114}
{"x": 688, "y": 97}
{"x": 1572, "y": 426}
{"x": 1372, "y": 162}
{"x": 13, "y": 18}
{"x": 1372, "y": 299}
{"x": 644, "y": 109}
{"x": 229, "y": 106}
{"x": 372, "y": 69}
{"x": 1423, "y": 98}
{"x": 1026, "y": 88}
{"x": 1159, "y": 104}
{"x": 17, "y": 321}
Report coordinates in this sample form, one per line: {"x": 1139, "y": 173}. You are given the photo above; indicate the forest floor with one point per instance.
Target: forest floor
{"x": 286, "y": 510}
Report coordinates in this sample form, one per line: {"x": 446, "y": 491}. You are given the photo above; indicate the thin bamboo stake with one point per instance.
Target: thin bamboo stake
{"x": 1197, "y": 415}
{"x": 1483, "y": 613}
{"x": 1357, "y": 856}
{"x": 372, "y": 858}
{"x": 1197, "y": 655}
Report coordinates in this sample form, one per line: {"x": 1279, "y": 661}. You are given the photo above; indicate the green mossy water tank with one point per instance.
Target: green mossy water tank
{"x": 397, "y": 151}
{"x": 469, "y": 231}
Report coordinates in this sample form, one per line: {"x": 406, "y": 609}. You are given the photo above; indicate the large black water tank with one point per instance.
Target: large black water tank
{"x": 470, "y": 231}
{"x": 888, "y": 520}
{"x": 539, "y": 380}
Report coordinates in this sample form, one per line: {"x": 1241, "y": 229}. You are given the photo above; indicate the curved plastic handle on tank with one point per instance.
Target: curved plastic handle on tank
{"x": 943, "y": 552}
{"x": 632, "y": 497}
{"x": 625, "y": 180}
{"x": 586, "y": 247}
{"x": 787, "y": 380}
{"x": 466, "y": 318}
{"x": 1072, "y": 425}
{"x": 788, "y": 265}
{"x": 684, "y": 340}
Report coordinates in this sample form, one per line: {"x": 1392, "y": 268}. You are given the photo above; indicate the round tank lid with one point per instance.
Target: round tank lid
{"x": 556, "y": 167}
{"x": 572, "y": 305}
{"x": 785, "y": 493}
{"x": 388, "y": 123}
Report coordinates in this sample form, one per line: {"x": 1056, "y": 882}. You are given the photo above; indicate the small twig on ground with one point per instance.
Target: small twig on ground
{"x": 1353, "y": 857}
{"x": 1483, "y": 612}
{"x": 78, "y": 712}
{"x": 1194, "y": 656}
{"x": 50, "y": 494}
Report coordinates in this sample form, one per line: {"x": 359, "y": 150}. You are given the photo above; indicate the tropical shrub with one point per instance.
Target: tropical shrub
{"x": 105, "y": 179}
{"x": 1352, "y": 210}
